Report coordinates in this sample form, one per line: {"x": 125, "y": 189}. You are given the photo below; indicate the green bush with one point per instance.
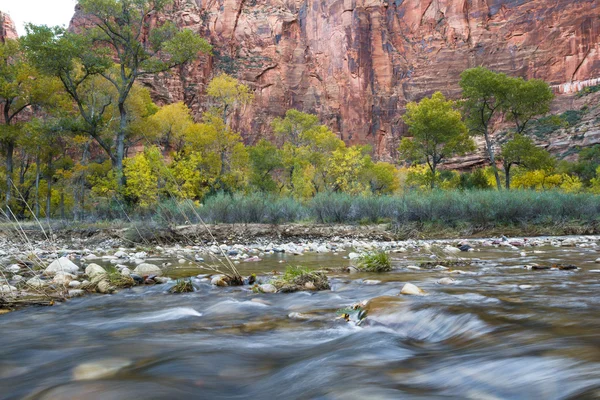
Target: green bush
{"x": 375, "y": 262}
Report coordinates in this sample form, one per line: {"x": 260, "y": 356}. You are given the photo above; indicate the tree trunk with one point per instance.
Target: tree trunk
{"x": 49, "y": 194}
{"x": 490, "y": 152}
{"x": 120, "y": 145}
{"x": 37, "y": 185}
{"x": 10, "y": 148}
{"x": 507, "y": 176}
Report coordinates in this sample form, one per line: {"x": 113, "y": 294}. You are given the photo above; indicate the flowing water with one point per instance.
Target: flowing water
{"x": 501, "y": 331}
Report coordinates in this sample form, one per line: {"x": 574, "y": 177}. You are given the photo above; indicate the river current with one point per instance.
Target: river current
{"x": 499, "y": 331}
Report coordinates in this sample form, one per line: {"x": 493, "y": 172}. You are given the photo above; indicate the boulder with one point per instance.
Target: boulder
{"x": 410, "y": 289}
{"x": 267, "y": 288}
{"x": 75, "y": 292}
{"x": 63, "y": 264}
{"x": 94, "y": 269}
{"x": 126, "y": 271}
{"x": 446, "y": 281}
{"x": 74, "y": 284}
{"x": 147, "y": 269}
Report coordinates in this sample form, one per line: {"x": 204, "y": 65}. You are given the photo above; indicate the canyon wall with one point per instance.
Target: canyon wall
{"x": 356, "y": 63}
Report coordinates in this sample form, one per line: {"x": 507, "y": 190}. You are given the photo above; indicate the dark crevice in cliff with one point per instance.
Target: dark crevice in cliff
{"x": 425, "y": 12}
{"x": 237, "y": 17}
{"x": 270, "y": 67}
{"x": 587, "y": 53}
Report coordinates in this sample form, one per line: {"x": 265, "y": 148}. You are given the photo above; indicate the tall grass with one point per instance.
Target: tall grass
{"x": 474, "y": 207}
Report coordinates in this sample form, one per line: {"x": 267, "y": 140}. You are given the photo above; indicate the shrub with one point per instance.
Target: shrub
{"x": 375, "y": 262}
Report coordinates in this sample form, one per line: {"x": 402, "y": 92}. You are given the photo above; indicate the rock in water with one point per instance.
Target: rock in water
{"x": 410, "y": 289}
{"x": 147, "y": 269}
{"x": 94, "y": 269}
{"x": 218, "y": 281}
{"x": 75, "y": 293}
{"x": 63, "y": 264}
{"x": 99, "y": 369}
{"x": 446, "y": 281}
{"x": 267, "y": 288}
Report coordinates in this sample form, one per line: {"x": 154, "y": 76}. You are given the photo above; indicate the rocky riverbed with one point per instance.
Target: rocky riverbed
{"x": 477, "y": 318}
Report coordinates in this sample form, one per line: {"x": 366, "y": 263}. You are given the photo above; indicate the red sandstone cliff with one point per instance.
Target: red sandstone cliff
{"x": 7, "y": 28}
{"x": 357, "y": 62}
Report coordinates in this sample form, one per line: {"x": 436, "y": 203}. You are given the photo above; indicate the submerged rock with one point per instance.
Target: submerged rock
{"x": 410, "y": 289}
{"x": 446, "y": 281}
{"x": 99, "y": 369}
{"x": 63, "y": 264}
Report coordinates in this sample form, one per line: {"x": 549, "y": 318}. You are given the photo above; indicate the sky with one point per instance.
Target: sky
{"x": 39, "y": 12}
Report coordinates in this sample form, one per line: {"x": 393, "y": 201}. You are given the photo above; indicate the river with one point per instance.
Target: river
{"x": 500, "y": 331}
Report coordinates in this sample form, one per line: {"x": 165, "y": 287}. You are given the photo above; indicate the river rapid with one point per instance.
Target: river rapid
{"x": 498, "y": 331}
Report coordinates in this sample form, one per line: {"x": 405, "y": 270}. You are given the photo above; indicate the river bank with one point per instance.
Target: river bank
{"x": 501, "y": 319}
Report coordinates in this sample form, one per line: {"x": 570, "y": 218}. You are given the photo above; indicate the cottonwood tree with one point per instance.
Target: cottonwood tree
{"x": 438, "y": 132}
{"x": 21, "y": 87}
{"x": 523, "y": 152}
{"x": 126, "y": 31}
{"x": 490, "y": 96}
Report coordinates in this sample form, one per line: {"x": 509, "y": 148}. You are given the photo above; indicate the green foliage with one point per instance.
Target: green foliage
{"x": 474, "y": 180}
{"x": 228, "y": 95}
{"x": 182, "y": 286}
{"x": 523, "y": 152}
{"x": 375, "y": 262}
{"x": 264, "y": 160}
{"x": 438, "y": 132}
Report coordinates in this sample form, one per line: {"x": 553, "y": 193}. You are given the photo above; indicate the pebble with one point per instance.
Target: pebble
{"x": 74, "y": 284}
{"x": 75, "y": 293}
{"x": 525, "y": 287}
{"x": 36, "y": 282}
{"x": 371, "y": 282}
{"x": 413, "y": 267}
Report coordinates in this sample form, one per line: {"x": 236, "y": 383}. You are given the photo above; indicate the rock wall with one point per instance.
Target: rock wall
{"x": 7, "y": 28}
{"x": 357, "y": 63}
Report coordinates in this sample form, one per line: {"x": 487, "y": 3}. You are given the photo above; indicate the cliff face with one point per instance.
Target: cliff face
{"x": 7, "y": 28}
{"x": 357, "y": 63}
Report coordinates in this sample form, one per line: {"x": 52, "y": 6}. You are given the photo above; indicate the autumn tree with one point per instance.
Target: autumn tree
{"x": 21, "y": 87}
{"x": 523, "y": 152}
{"x": 438, "y": 132}
{"x": 125, "y": 30}
{"x": 226, "y": 95}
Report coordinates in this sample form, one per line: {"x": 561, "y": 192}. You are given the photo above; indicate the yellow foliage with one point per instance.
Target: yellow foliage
{"x": 540, "y": 179}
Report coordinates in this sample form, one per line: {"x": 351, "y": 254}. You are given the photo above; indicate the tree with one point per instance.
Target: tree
{"x": 489, "y": 96}
{"x": 127, "y": 30}
{"x": 438, "y": 132}
{"x": 523, "y": 152}
{"x": 21, "y": 87}
{"x": 170, "y": 123}
{"x": 382, "y": 178}
{"x": 485, "y": 96}
{"x": 264, "y": 160}
{"x": 527, "y": 99}
{"x": 227, "y": 94}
